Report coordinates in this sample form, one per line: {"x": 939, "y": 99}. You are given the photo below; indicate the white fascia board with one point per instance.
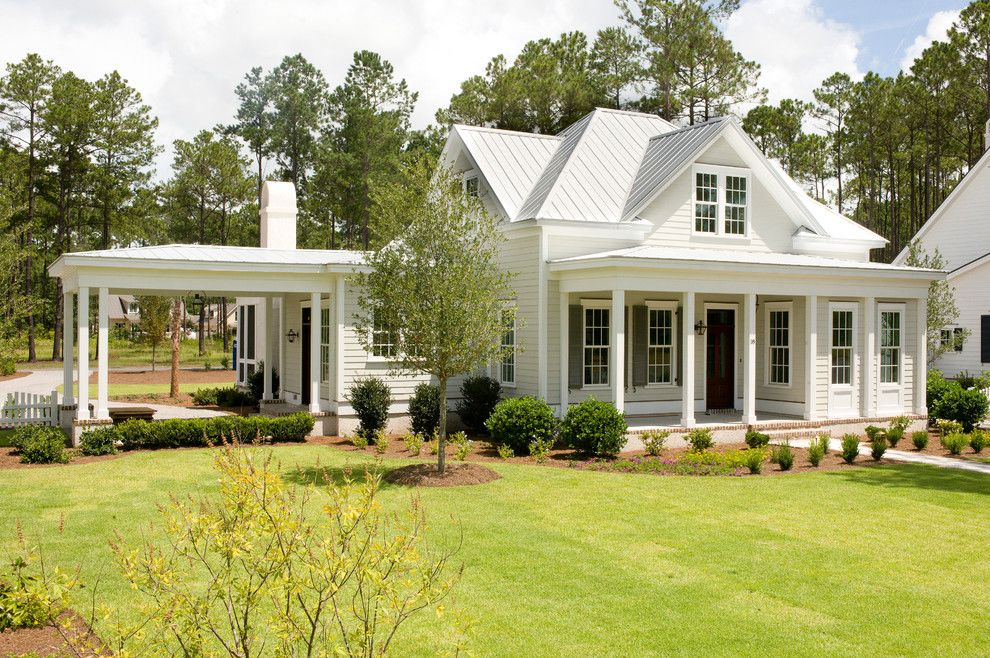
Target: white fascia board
{"x": 816, "y": 244}
{"x": 637, "y": 229}
{"x": 970, "y": 266}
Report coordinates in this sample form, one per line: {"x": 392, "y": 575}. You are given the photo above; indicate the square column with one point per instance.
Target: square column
{"x": 687, "y": 379}
{"x": 338, "y": 349}
{"x": 281, "y": 344}
{"x": 921, "y": 359}
{"x": 565, "y": 318}
{"x": 867, "y": 409}
{"x": 315, "y": 329}
{"x": 68, "y": 398}
{"x": 749, "y": 359}
{"x": 269, "y": 349}
{"x": 82, "y": 326}
{"x": 810, "y": 356}
{"x": 618, "y": 341}
{"x": 103, "y": 356}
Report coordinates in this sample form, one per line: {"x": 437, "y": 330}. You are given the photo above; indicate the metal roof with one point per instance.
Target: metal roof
{"x": 217, "y": 255}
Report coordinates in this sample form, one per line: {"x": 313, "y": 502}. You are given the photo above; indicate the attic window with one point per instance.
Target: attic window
{"x": 721, "y": 201}
{"x": 471, "y": 185}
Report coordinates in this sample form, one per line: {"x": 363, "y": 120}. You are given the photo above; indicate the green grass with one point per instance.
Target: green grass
{"x": 125, "y": 352}
{"x": 565, "y": 562}
{"x": 114, "y": 390}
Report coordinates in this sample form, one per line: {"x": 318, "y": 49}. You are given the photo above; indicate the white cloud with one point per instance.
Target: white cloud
{"x": 938, "y": 28}
{"x": 795, "y": 44}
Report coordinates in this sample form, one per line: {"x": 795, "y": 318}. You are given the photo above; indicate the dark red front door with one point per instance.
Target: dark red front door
{"x": 720, "y": 358}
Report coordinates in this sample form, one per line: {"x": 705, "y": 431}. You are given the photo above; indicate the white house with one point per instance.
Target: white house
{"x": 960, "y": 230}
{"x": 674, "y": 272}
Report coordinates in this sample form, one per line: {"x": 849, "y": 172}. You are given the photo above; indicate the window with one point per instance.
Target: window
{"x": 382, "y": 339}
{"x": 890, "y": 346}
{"x": 471, "y": 186}
{"x": 952, "y": 338}
{"x": 507, "y": 368}
{"x": 660, "y": 346}
{"x": 779, "y": 344}
{"x": 325, "y": 345}
{"x": 596, "y": 330}
{"x": 842, "y": 346}
{"x": 721, "y": 201}
{"x": 249, "y": 327}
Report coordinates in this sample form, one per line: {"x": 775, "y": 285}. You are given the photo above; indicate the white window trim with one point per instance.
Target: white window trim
{"x": 854, "y": 371}
{"x": 890, "y": 308}
{"x": 721, "y": 171}
{"x": 672, "y": 307}
{"x": 779, "y": 306}
{"x": 371, "y": 356}
{"x": 515, "y": 358}
{"x": 605, "y": 304}
{"x": 469, "y": 174}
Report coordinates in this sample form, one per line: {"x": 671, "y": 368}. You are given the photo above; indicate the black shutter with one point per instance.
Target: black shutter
{"x": 575, "y": 347}
{"x": 985, "y": 338}
{"x": 640, "y": 347}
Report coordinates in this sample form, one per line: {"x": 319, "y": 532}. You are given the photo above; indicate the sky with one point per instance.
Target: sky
{"x": 186, "y": 56}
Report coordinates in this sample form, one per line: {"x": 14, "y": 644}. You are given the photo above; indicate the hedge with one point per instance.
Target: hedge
{"x": 198, "y": 432}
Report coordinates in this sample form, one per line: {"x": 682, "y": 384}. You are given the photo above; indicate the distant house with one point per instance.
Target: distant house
{"x": 674, "y": 272}
{"x": 124, "y": 313}
{"x": 960, "y": 230}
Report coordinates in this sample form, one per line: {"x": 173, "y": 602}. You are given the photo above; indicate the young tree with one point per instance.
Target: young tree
{"x": 156, "y": 314}
{"x": 437, "y": 287}
{"x": 942, "y": 309}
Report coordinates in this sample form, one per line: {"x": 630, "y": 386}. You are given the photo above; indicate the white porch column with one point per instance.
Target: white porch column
{"x": 921, "y": 359}
{"x": 749, "y": 359}
{"x": 82, "y": 326}
{"x": 314, "y": 352}
{"x": 103, "y": 356}
{"x": 810, "y": 355}
{"x": 281, "y": 344}
{"x": 338, "y": 350}
{"x": 618, "y": 342}
{"x": 565, "y": 317}
{"x": 542, "y": 319}
{"x": 687, "y": 379}
{"x": 269, "y": 349}
{"x": 867, "y": 408}
{"x": 67, "y": 332}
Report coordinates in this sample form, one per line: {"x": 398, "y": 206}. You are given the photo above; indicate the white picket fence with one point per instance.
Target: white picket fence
{"x": 29, "y": 409}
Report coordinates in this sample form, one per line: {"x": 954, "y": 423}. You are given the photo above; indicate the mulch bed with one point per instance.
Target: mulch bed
{"x": 49, "y": 641}
{"x": 164, "y": 376}
{"x": 934, "y": 448}
{"x": 16, "y": 375}
{"x": 426, "y": 475}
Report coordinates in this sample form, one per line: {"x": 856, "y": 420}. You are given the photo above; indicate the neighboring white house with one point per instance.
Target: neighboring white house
{"x": 960, "y": 230}
{"x": 674, "y": 272}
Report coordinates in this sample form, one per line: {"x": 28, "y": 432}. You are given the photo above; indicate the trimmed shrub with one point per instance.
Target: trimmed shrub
{"x": 967, "y": 407}
{"x": 40, "y": 444}
{"x": 424, "y": 409}
{"x": 100, "y": 441}
{"x": 223, "y": 396}
{"x": 595, "y": 427}
{"x": 256, "y": 382}
{"x": 654, "y": 441}
{"x": 462, "y": 446}
{"x": 850, "y": 448}
{"x": 517, "y": 422}
{"x": 978, "y": 440}
{"x": 754, "y": 458}
{"x": 878, "y": 446}
{"x": 948, "y": 426}
{"x": 782, "y": 455}
{"x": 291, "y": 427}
{"x": 371, "y": 398}
{"x": 200, "y": 432}
{"x": 756, "y": 439}
{"x": 955, "y": 442}
{"x": 699, "y": 439}
{"x": 381, "y": 442}
{"x": 479, "y": 395}
{"x": 817, "y": 449}
{"x": 919, "y": 439}
{"x": 937, "y": 385}
{"x": 873, "y": 432}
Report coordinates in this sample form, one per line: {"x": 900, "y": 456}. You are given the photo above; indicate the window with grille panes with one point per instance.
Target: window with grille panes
{"x": 706, "y": 203}
{"x": 660, "y": 358}
{"x": 507, "y": 368}
{"x": 596, "y": 346}
{"x": 735, "y": 205}
{"x": 842, "y": 346}
{"x": 779, "y": 345}
{"x": 382, "y": 339}
{"x": 324, "y": 345}
{"x": 890, "y": 347}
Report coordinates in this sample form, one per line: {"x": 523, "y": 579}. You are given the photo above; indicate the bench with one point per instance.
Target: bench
{"x": 120, "y": 414}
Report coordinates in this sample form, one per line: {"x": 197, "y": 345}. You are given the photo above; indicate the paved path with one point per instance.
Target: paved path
{"x": 908, "y": 457}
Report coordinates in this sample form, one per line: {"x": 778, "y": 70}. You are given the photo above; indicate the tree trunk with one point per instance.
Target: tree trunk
{"x": 173, "y": 390}
{"x": 442, "y": 429}
{"x": 202, "y": 327}
{"x": 154, "y": 349}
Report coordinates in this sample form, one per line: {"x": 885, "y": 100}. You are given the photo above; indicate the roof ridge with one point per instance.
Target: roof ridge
{"x": 649, "y": 115}
{"x": 693, "y": 126}
{"x": 503, "y": 131}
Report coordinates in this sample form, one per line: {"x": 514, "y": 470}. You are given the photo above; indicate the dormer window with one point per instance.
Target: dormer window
{"x": 471, "y": 185}
{"x": 721, "y": 201}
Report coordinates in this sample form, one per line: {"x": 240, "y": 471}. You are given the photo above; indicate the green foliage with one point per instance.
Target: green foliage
{"x": 479, "y": 395}
{"x": 873, "y": 432}
{"x": 955, "y": 442}
{"x": 223, "y": 396}
{"x": 783, "y": 456}
{"x": 462, "y": 446}
{"x": 966, "y": 406}
{"x": 920, "y": 439}
{"x": 371, "y": 398}
{"x": 595, "y": 427}
{"x": 936, "y": 387}
{"x": 7, "y": 366}
{"x": 654, "y": 441}
{"x": 942, "y": 310}
{"x": 517, "y": 422}
{"x": 756, "y": 439}
{"x": 878, "y": 446}
{"x": 424, "y": 409}
{"x": 946, "y": 426}
{"x": 156, "y": 311}
{"x": 978, "y": 440}
{"x": 414, "y": 443}
{"x": 505, "y": 452}
{"x": 32, "y": 594}
{"x": 256, "y": 382}
{"x": 539, "y": 449}
{"x": 818, "y": 448}
{"x": 101, "y": 440}
{"x": 754, "y": 458}
{"x": 700, "y": 439}
{"x": 200, "y": 432}
{"x": 40, "y": 444}
{"x": 360, "y": 439}
{"x": 896, "y": 429}
{"x": 709, "y": 462}
{"x": 381, "y": 442}
{"x": 850, "y": 448}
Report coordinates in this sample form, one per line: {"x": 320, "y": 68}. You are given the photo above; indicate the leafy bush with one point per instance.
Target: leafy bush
{"x": 359, "y": 439}
{"x": 424, "y": 409}
{"x": 920, "y": 439}
{"x": 517, "y": 422}
{"x": 223, "y": 396}
{"x": 479, "y": 396}
{"x": 256, "y": 382}
{"x": 850, "y": 448}
{"x": 595, "y": 427}
{"x": 873, "y": 432}
{"x": 692, "y": 463}
{"x": 654, "y": 441}
{"x": 31, "y": 593}
{"x": 754, "y": 458}
{"x": 7, "y": 366}
{"x": 967, "y": 407}
{"x": 756, "y": 439}
{"x": 505, "y": 452}
{"x": 40, "y": 444}
{"x": 700, "y": 439}
{"x": 199, "y": 432}
{"x": 100, "y": 440}
{"x": 818, "y": 448}
{"x": 978, "y": 440}
{"x": 966, "y": 380}
{"x": 414, "y": 443}
{"x": 946, "y": 426}
{"x": 381, "y": 441}
{"x": 462, "y": 446}
{"x": 371, "y": 398}
{"x": 878, "y": 446}
{"x": 782, "y": 455}
{"x": 955, "y": 442}
{"x": 937, "y": 385}
{"x": 539, "y": 449}
{"x": 291, "y": 427}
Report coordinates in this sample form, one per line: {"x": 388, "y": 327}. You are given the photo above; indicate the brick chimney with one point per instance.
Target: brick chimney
{"x": 278, "y": 215}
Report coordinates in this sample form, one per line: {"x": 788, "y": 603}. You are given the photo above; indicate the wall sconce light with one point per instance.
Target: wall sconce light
{"x": 292, "y": 335}
{"x": 699, "y": 328}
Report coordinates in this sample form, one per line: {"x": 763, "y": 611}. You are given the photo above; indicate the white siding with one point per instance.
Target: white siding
{"x": 520, "y": 254}
{"x": 972, "y": 291}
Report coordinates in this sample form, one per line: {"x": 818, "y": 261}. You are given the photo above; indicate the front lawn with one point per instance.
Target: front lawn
{"x": 883, "y": 560}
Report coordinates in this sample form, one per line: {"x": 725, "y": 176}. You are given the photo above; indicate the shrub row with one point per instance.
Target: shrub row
{"x": 223, "y": 396}
{"x": 40, "y": 444}
{"x": 197, "y": 432}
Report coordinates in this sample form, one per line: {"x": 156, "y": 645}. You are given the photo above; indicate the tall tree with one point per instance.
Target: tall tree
{"x": 777, "y": 130}
{"x": 833, "y": 99}
{"x": 971, "y": 36}
{"x": 615, "y": 65}
{"x": 254, "y": 120}
{"x": 25, "y": 90}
